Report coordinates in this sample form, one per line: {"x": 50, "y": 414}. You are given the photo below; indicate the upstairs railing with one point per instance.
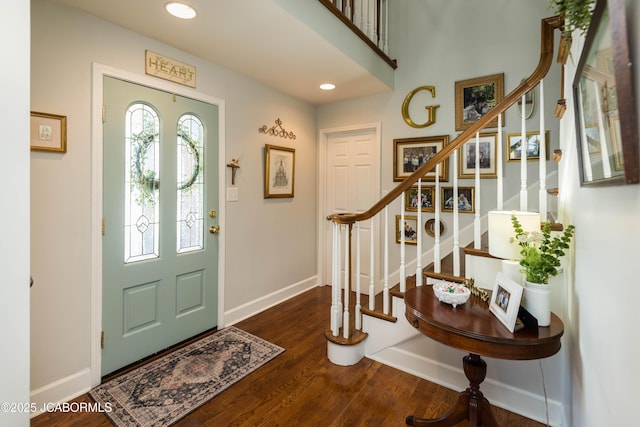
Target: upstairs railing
{"x": 368, "y": 19}
{"x": 345, "y": 314}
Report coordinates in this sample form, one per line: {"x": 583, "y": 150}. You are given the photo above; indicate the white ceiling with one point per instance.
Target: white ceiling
{"x": 256, "y": 38}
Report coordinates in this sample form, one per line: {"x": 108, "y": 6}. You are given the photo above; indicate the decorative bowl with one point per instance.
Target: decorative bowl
{"x": 451, "y": 293}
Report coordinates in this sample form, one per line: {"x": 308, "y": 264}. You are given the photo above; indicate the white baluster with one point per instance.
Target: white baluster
{"x": 499, "y": 170}
{"x": 604, "y": 150}
{"x": 542, "y": 162}
{"x": 419, "y": 236}
{"x": 358, "y": 306}
{"x": 385, "y": 290}
{"x": 347, "y": 290}
{"x": 586, "y": 166}
{"x": 372, "y": 284}
{"x": 437, "y": 264}
{"x": 385, "y": 33}
{"x": 523, "y": 158}
{"x": 456, "y": 231}
{"x": 402, "y": 272}
{"x": 476, "y": 203}
{"x": 335, "y": 282}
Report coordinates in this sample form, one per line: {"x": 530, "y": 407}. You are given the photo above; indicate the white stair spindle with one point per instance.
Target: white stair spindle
{"x": 499, "y": 170}
{"x": 419, "y": 237}
{"x": 523, "y": 158}
{"x": 456, "y": 231}
{"x": 437, "y": 264}
{"x": 604, "y": 150}
{"x": 358, "y": 315}
{"x": 372, "y": 284}
{"x": 542, "y": 163}
{"x": 476, "y": 202}
{"x": 402, "y": 271}
{"x": 347, "y": 290}
{"x": 385, "y": 290}
{"x": 335, "y": 282}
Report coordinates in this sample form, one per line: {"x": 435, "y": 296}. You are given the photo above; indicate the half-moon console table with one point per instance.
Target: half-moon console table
{"x": 471, "y": 327}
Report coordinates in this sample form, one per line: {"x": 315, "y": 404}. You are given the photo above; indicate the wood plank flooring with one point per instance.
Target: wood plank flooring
{"x": 302, "y": 388}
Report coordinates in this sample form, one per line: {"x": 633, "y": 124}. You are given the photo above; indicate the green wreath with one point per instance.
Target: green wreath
{"x": 146, "y": 181}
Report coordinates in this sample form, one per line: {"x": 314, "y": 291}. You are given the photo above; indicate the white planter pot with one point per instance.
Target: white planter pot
{"x": 537, "y": 301}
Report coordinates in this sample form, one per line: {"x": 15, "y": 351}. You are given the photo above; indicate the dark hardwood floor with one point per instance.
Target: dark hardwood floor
{"x": 302, "y": 388}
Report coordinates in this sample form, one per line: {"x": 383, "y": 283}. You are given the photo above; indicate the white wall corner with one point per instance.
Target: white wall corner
{"x": 62, "y": 390}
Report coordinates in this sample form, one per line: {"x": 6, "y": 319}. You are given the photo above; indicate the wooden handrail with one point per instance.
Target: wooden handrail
{"x": 546, "y": 58}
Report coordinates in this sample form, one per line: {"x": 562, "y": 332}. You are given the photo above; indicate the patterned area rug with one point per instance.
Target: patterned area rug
{"x": 165, "y": 390}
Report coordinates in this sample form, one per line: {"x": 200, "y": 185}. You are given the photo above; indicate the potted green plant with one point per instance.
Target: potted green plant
{"x": 576, "y": 13}
{"x": 540, "y": 259}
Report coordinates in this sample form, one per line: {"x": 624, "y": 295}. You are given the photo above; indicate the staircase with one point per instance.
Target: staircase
{"x": 375, "y": 327}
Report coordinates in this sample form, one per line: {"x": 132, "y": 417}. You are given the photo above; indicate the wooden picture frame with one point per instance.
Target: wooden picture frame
{"x": 409, "y": 228}
{"x": 474, "y": 97}
{"x": 605, "y": 106}
{"x": 513, "y": 153}
{"x": 426, "y": 201}
{"x": 411, "y": 153}
{"x": 505, "y": 301}
{"x": 279, "y": 171}
{"x": 48, "y": 132}
{"x": 465, "y": 196}
{"x": 488, "y": 157}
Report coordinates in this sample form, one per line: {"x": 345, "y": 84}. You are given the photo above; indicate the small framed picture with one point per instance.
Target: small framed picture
{"x": 48, "y": 132}
{"x": 465, "y": 199}
{"x": 279, "y": 171}
{"x": 505, "y": 301}
{"x": 514, "y": 146}
{"x": 409, "y": 228}
{"x": 411, "y": 153}
{"x": 475, "y": 97}
{"x": 487, "y": 150}
{"x": 424, "y": 200}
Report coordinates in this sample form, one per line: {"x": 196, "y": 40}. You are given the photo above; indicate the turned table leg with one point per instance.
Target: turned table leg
{"x": 471, "y": 404}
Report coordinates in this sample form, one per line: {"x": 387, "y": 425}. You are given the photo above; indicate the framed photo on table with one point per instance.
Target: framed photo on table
{"x": 487, "y": 149}
{"x": 475, "y": 97}
{"x": 279, "y": 171}
{"x": 48, "y": 132}
{"x": 411, "y": 153}
{"x": 505, "y": 301}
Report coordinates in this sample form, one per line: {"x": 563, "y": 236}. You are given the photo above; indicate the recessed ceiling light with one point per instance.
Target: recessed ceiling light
{"x": 327, "y": 86}
{"x": 180, "y": 10}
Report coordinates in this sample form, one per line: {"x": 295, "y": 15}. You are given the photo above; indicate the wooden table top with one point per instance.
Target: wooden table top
{"x": 473, "y": 328}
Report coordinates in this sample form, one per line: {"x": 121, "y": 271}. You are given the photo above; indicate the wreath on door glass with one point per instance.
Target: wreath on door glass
{"x": 146, "y": 180}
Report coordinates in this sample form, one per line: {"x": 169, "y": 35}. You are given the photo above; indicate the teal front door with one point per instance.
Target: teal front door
{"x": 160, "y": 195}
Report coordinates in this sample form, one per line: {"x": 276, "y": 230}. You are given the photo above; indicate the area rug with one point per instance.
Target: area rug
{"x": 165, "y": 390}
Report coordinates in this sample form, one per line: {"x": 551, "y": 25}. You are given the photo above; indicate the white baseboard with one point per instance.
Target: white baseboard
{"x": 256, "y": 306}
{"x": 499, "y": 394}
{"x": 62, "y": 390}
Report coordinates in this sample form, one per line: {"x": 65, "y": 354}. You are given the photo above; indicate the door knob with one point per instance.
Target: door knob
{"x": 214, "y": 229}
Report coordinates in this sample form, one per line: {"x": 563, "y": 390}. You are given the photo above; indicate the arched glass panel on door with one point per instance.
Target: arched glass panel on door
{"x": 142, "y": 171}
{"x": 190, "y": 197}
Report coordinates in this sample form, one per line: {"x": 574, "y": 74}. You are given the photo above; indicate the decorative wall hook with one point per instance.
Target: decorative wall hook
{"x": 233, "y": 164}
{"x": 277, "y": 130}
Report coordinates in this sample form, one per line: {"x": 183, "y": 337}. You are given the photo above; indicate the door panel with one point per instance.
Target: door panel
{"x": 350, "y": 170}
{"x": 160, "y": 183}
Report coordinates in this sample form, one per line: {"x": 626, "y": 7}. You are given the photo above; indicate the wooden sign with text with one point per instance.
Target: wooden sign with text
{"x": 169, "y": 69}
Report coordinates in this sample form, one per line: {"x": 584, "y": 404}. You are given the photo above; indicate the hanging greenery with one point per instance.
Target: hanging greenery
{"x": 576, "y": 13}
{"x": 146, "y": 180}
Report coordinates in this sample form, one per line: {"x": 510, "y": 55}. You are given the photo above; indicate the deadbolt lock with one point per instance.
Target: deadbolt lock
{"x": 213, "y": 213}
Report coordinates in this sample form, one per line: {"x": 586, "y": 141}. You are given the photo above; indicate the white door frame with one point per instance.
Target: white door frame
{"x": 323, "y": 136}
{"x": 99, "y": 72}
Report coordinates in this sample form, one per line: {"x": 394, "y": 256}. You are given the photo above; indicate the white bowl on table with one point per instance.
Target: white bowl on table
{"x": 451, "y": 293}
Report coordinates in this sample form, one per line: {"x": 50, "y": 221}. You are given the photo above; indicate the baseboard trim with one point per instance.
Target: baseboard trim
{"x": 244, "y": 311}
{"x": 499, "y": 394}
{"x": 62, "y": 390}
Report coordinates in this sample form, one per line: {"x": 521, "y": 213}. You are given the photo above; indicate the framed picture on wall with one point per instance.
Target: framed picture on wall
{"x": 487, "y": 150}
{"x": 411, "y": 153}
{"x": 409, "y": 228}
{"x": 279, "y": 171}
{"x": 475, "y": 97}
{"x": 514, "y": 146}
{"x": 424, "y": 200}
{"x": 465, "y": 199}
{"x": 48, "y": 132}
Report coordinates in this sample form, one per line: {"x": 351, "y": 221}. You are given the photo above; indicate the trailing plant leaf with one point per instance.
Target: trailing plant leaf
{"x": 576, "y": 13}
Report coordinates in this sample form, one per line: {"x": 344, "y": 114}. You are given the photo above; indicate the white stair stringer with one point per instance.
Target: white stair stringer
{"x": 383, "y": 333}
